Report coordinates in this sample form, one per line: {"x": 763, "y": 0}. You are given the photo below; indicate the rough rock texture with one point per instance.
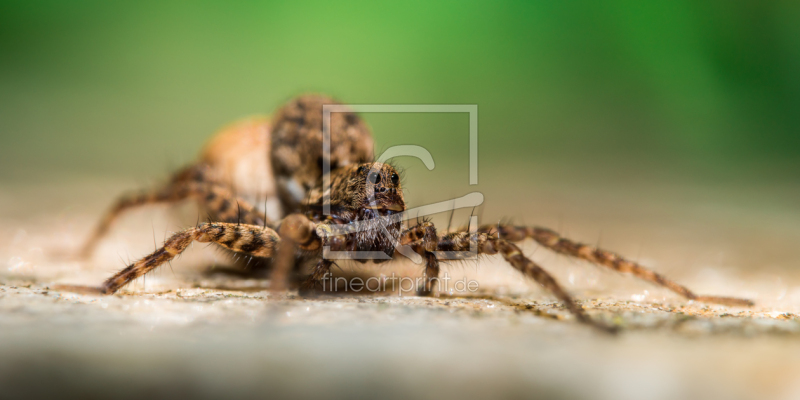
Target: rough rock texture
{"x": 189, "y": 330}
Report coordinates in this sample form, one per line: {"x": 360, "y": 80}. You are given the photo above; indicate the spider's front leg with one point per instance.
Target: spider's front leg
{"x": 553, "y": 241}
{"x": 490, "y": 244}
{"x": 248, "y": 239}
{"x": 251, "y": 240}
{"x": 298, "y": 232}
{"x": 423, "y": 240}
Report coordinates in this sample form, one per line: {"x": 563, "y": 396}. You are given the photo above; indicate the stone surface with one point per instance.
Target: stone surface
{"x": 190, "y": 330}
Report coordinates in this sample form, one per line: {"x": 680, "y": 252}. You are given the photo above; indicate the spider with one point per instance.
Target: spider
{"x": 281, "y": 160}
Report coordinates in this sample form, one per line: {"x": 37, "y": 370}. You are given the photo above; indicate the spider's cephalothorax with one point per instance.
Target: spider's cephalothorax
{"x": 356, "y": 208}
{"x": 296, "y": 146}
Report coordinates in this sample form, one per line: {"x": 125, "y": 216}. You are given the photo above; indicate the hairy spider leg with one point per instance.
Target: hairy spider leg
{"x": 247, "y": 239}
{"x": 422, "y": 238}
{"x": 221, "y": 204}
{"x": 551, "y": 240}
{"x": 488, "y": 244}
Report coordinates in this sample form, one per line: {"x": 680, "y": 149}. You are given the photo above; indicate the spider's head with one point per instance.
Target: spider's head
{"x": 382, "y": 191}
{"x": 372, "y": 187}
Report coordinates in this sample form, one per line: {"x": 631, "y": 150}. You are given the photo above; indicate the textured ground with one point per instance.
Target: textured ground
{"x": 192, "y": 330}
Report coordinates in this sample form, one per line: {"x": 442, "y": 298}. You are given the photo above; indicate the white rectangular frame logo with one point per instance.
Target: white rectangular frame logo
{"x": 470, "y": 200}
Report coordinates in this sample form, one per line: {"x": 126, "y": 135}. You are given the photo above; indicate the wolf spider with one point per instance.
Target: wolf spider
{"x": 282, "y": 161}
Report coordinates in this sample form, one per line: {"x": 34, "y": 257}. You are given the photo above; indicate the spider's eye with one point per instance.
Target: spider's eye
{"x": 374, "y": 178}
{"x": 395, "y": 179}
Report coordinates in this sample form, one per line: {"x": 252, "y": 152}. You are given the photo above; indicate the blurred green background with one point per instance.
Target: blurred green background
{"x": 698, "y": 90}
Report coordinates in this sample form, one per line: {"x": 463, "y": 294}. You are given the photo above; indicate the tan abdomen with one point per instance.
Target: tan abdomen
{"x": 238, "y": 157}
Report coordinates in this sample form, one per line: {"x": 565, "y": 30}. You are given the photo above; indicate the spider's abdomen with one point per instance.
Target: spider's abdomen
{"x": 273, "y": 162}
{"x": 237, "y": 156}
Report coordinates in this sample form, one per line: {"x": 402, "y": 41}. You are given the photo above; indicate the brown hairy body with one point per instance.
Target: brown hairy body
{"x": 278, "y": 162}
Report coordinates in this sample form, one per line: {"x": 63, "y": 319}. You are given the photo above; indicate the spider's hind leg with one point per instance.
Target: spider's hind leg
{"x": 220, "y": 202}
